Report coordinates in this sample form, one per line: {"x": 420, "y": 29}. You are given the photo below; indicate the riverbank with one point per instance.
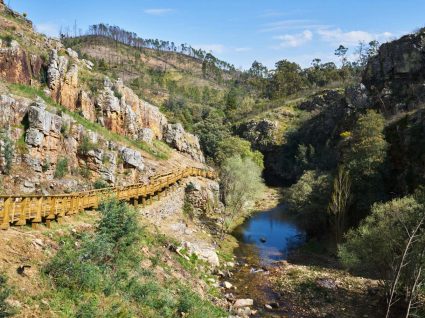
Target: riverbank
{"x": 307, "y": 282}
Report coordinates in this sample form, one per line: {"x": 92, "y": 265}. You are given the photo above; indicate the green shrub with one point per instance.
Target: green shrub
{"x": 88, "y": 309}
{"x": 100, "y": 184}
{"x": 86, "y": 146}
{"x": 21, "y": 145}
{"x": 8, "y": 39}
{"x": 381, "y": 237}
{"x": 308, "y": 200}
{"x": 118, "y": 223}
{"x": 65, "y": 129}
{"x": 46, "y": 165}
{"x": 105, "y": 265}
{"x": 61, "y": 168}
{"x": 195, "y": 307}
{"x": 69, "y": 270}
{"x": 117, "y": 94}
{"x": 188, "y": 208}
{"x": 389, "y": 245}
{"x": 241, "y": 184}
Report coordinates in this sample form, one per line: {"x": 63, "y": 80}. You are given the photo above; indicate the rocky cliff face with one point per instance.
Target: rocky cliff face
{"x": 16, "y": 65}
{"x": 43, "y": 139}
{"x": 114, "y": 106}
{"x": 396, "y": 76}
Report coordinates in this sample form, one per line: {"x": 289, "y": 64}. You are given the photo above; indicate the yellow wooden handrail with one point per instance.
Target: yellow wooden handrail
{"x": 20, "y": 209}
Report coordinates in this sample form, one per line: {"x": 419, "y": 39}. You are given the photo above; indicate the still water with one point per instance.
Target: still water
{"x": 268, "y": 236}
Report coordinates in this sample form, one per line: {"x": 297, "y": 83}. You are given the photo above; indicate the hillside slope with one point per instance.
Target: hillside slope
{"x": 65, "y": 125}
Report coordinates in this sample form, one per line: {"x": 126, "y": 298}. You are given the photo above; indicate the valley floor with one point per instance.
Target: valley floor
{"x": 309, "y": 284}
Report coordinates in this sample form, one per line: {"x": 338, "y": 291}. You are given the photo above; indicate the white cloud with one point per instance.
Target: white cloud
{"x": 337, "y": 36}
{"x": 215, "y": 48}
{"x": 49, "y": 29}
{"x": 271, "y": 13}
{"x": 158, "y": 11}
{"x": 296, "y": 24}
{"x": 243, "y": 49}
{"x": 295, "y": 40}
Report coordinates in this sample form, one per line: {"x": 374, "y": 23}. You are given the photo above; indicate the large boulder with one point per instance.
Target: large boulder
{"x": 44, "y": 121}
{"x": 204, "y": 252}
{"x": 13, "y": 110}
{"x": 132, "y": 158}
{"x": 320, "y": 101}
{"x": 176, "y": 136}
{"x": 146, "y": 135}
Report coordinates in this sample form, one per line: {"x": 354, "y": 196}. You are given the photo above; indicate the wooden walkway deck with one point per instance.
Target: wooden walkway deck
{"x": 22, "y": 209}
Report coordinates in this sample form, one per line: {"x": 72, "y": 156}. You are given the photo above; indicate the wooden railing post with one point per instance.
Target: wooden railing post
{"x": 39, "y": 208}
{"x": 23, "y": 213}
{"x": 52, "y": 211}
{"x": 6, "y": 214}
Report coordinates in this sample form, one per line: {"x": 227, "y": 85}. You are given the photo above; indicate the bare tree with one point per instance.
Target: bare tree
{"x": 412, "y": 237}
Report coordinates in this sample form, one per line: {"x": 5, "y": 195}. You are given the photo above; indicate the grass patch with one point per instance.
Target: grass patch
{"x": 158, "y": 149}
{"x": 5, "y": 292}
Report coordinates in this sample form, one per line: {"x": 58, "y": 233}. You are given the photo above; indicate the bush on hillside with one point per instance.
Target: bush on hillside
{"x": 241, "y": 184}
{"x": 61, "y": 168}
{"x": 235, "y": 146}
{"x": 105, "y": 265}
{"x": 389, "y": 244}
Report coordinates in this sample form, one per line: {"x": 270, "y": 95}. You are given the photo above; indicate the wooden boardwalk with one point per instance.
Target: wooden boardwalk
{"x": 22, "y": 209}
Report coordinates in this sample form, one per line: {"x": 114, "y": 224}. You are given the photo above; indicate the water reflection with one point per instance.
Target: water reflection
{"x": 268, "y": 236}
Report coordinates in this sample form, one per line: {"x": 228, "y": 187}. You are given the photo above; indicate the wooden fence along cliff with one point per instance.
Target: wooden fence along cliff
{"x": 19, "y": 210}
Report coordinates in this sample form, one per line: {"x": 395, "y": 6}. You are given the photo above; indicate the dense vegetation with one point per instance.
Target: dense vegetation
{"x": 99, "y": 274}
{"x": 344, "y": 189}
{"x": 205, "y": 94}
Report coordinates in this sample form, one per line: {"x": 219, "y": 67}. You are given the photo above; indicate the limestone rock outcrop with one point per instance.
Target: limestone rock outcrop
{"x": 395, "y": 77}
{"x": 320, "y": 101}
{"x": 16, "y": 65}
{"x": 62, "y": 79}
{"x": 176, "y": 136}
{"x": 132, "y": 158}
{"x": 116, "y": 107}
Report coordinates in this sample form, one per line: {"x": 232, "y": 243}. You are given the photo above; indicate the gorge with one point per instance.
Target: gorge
{"x": 143, "y": 178}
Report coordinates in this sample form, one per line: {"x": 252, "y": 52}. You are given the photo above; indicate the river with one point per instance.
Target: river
{"x": 266, "y": 237}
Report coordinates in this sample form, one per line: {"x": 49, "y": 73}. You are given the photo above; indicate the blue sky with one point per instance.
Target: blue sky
{"x": 241, "y": 31}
